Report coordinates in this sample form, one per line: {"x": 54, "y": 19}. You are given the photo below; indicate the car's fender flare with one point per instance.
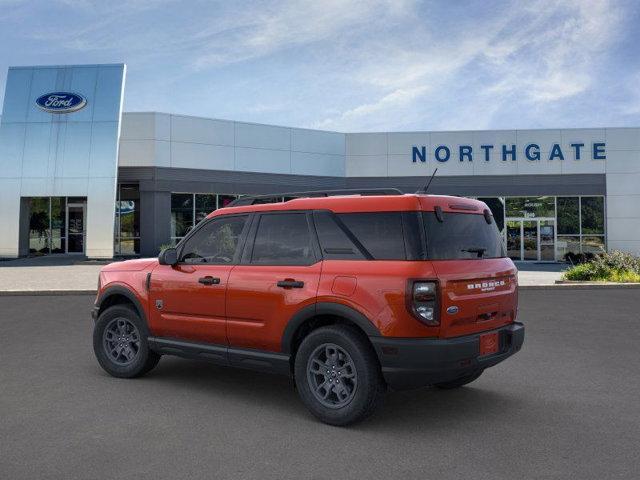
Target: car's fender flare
{"x": 325, "y": 308}
{"x": 110, "y": 291}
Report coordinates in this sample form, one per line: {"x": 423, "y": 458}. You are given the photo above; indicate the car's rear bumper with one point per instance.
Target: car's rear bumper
{"x": 411, "y": 362}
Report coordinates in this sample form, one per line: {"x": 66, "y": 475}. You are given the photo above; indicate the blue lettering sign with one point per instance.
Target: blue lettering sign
{"x": 532, "y": 153}
{"x": 577, "y": 147}
{"x": 598, "y": 151}
{"x": 447, "y": 153}
{"x": 419, "y": 154}
{"x": 486, "y": 148}
{"x": 535, "y": 155}
{"x": 466, "y": 151}
{"x": 511, "y": 151}
{"x": 556, "y": 152}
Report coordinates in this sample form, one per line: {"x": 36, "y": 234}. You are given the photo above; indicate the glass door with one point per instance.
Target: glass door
{"x": 514, "y": 239}
{"x": 547, "y": 240}
{"x": 75, "y": 227}
{"x": 530, "y": 240}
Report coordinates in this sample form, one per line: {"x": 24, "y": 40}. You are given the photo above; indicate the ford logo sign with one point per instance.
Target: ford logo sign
{"x": 452, "y": 310}
{"x": 61, "y": 102}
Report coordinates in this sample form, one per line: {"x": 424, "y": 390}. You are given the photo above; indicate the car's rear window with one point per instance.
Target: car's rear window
{"x": 461, "y": 236}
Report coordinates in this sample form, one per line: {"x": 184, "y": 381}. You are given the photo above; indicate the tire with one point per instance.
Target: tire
{"x": 353, "y": 391}
{"x": 460, "y": 381}
{"x": 131, "y": 358}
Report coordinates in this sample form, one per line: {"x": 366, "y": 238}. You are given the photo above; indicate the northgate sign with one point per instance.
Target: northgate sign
{"x": 531, "y": 152}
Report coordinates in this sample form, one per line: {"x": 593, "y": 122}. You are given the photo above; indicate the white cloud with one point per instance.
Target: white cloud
{"x": 349, "y": 64}
{"x": 538, "y": 54}
{"x": 287, "y": 24}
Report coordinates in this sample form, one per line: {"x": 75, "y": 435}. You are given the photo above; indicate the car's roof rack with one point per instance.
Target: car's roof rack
{"x": 253, "y": 199}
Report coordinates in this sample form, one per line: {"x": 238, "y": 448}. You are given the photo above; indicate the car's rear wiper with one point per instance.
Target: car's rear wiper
{"x": 479, "y": 250}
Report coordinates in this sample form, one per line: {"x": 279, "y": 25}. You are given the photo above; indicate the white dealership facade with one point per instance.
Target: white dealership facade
{"x": 89, "y": 179}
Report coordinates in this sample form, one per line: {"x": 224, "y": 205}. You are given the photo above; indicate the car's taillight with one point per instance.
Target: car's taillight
{"x": 423, "y": 302}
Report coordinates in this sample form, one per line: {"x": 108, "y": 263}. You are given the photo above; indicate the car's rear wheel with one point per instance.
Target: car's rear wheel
{"x": 120, "y": 343}
{"x": 338, "y": 376}
{"x": 459, "y": 382}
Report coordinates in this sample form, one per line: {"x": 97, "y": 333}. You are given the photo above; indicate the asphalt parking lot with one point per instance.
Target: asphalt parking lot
{"x": 567, "y": 406}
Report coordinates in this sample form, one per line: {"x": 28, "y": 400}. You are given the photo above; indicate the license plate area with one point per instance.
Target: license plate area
{"x": 489, "y": 343}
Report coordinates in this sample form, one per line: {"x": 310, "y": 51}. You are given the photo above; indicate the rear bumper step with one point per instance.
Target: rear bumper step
{"x": 411, "y": 363}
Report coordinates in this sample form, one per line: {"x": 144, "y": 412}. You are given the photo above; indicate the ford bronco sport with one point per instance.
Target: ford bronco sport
{"x": 348, "y": 293}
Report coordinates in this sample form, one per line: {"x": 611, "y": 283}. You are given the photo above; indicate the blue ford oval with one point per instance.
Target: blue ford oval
{"x": 61, "y": 102}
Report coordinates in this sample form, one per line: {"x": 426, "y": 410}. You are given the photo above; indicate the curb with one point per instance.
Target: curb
{"x": 23, "y": 293}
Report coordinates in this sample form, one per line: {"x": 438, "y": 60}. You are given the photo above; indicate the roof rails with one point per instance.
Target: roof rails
{"x": 255, "y": 199}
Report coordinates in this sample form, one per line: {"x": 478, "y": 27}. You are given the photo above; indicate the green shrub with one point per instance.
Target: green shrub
{"x": 617, "y": 260}
{"x": 614, "y": 266}
{"x": 582, "y": 271}
{"x": 164, "y": 246}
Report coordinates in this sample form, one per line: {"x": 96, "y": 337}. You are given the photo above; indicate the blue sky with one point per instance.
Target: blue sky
{"x": 350, "y": 65}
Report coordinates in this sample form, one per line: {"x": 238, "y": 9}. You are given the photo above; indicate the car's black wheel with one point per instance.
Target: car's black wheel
{"x": 338, "y": 376}
{"x": 459, "y": 382}
{"x": 120, "y": 343}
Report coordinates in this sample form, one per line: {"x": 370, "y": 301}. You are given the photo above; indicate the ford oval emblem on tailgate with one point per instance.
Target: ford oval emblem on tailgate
{"x": 452, "y": 310}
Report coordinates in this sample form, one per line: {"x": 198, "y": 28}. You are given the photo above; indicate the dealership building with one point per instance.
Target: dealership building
{"x": 80, "y": 176}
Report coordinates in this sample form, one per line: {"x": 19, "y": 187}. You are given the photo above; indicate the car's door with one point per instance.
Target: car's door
{"x": 188, "y": 299}
{"x": 278, "y": 275}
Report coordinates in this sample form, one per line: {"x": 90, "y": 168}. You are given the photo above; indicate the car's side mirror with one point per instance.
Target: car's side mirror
{"x": 168, "y": 256}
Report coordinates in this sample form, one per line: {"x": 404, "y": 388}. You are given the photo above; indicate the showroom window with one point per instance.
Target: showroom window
{"x": 580, "y": 225}
{"x": 127, "y": 226}
{"x": 188, "y": 209}
{"x": 530, "y": 207}
{"x": 56, "y": 225}
{"x": 41, "y": 225}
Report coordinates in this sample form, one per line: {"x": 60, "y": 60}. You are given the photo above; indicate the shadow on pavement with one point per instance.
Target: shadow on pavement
{"x": 430, "y": 408}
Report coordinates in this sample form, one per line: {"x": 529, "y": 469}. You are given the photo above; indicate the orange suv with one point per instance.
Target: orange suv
{"x": 349, "y": 293}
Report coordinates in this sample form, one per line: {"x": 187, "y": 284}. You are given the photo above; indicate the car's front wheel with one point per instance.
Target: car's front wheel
{"x": 338, "y": 376}
{"x": 120, "y": 343}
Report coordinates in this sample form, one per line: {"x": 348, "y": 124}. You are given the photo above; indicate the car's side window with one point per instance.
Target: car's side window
{"x": 283, "y": 239}
{"x": 381, "y": 233}
{"x": 334, "y": 241}
{"x": 215, "y": 243}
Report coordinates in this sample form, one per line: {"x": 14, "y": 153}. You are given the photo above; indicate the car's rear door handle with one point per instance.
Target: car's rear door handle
{"x": 290, "y": 283}
{"x": 208, "y": 280}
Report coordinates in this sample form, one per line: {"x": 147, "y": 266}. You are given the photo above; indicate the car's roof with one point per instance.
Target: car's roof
{"x": 365, "y": 203}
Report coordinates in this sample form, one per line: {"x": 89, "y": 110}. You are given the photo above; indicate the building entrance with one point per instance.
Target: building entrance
{"x": 57, "y": 225}
{"x": 531, "y": 239}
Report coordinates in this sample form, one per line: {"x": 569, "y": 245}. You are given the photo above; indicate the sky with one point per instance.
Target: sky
{"x": 348, "y": 65}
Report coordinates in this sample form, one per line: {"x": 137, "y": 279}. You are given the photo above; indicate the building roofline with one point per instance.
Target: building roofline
{"x": 378, "y": 132}
{"x": 229, "y": 120}
{"x": 84, "y": 65}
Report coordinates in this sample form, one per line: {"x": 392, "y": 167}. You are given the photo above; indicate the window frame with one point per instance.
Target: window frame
{"x": 239, "y": 248}
{"x": 247, "y": 251}
{"x": 415, "y": 251}
{"x": 365, "y": 254}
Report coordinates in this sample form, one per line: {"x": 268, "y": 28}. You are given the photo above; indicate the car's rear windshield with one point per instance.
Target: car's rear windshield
{"x": 460, "y": 236}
